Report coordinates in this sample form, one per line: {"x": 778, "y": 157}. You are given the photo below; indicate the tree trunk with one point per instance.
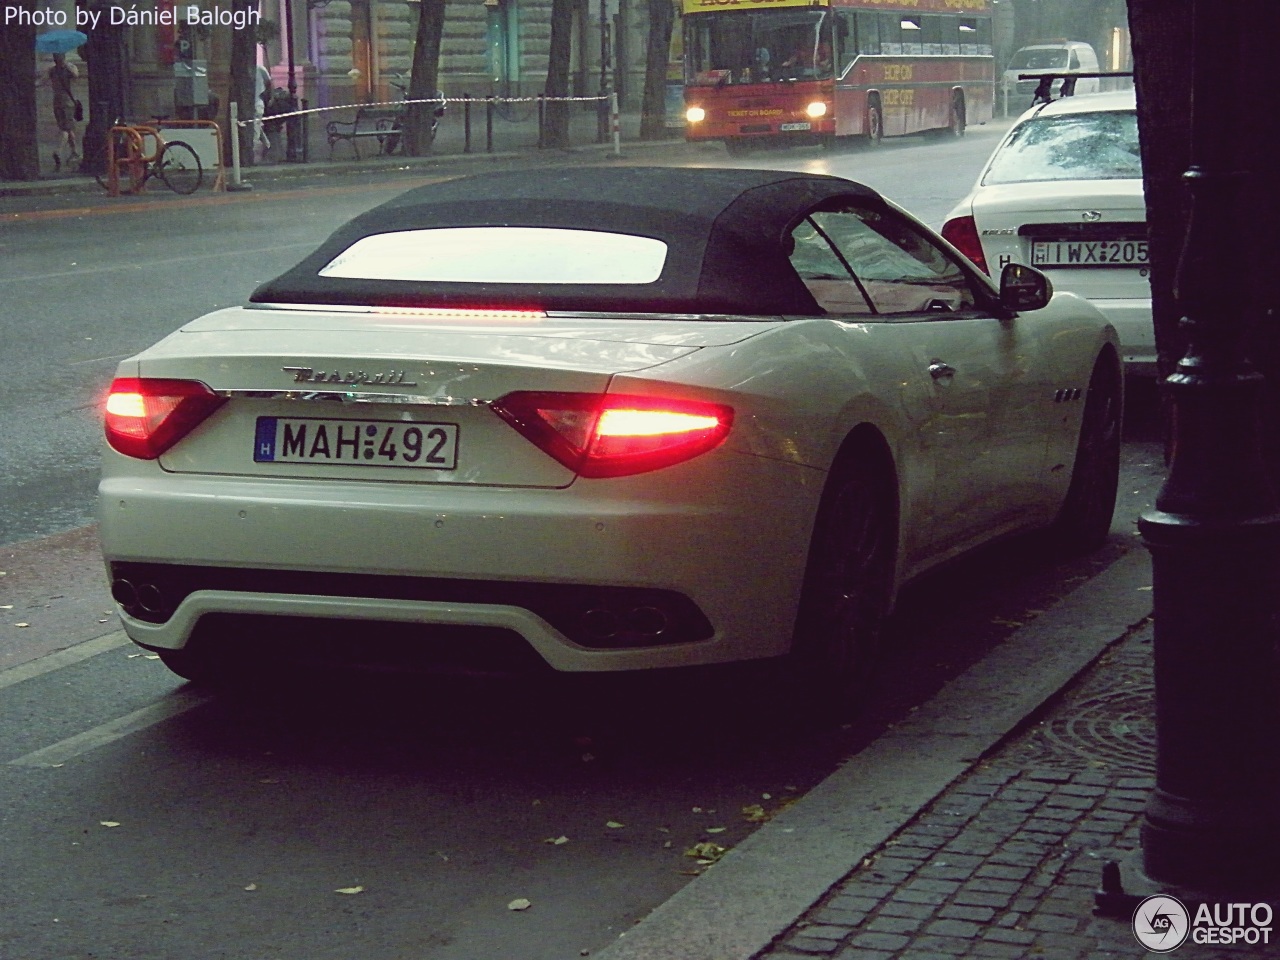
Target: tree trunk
{"x": 244, "y": 62}
{"x": 19, "y": 151}
{"x": 424, "y": 80}
{"x": 106, "y": 55}
{"x": 555, "y": 132}
{"x": 1162, "y": 75}
{"x": 653, "y": 108}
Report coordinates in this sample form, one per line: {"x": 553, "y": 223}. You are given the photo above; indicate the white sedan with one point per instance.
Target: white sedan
{"x": 1063, "y": 192}
{"x": 599, "y": 419}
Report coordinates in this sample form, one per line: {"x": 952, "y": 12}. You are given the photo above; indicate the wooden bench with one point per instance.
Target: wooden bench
{"x": 380, "y": 122}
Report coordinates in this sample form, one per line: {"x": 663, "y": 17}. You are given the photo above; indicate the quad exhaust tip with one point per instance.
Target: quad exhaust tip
{"x": 602, "y": 624}
{"x": 144, "y": 596}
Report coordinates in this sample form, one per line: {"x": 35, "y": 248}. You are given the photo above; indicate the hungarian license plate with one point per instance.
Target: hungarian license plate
{"x": 1089, "y": 253}
{"x": 374, "y": 443}
{"x": 795, "y": 126}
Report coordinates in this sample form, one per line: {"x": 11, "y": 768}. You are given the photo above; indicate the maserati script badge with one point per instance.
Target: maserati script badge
{"x": 351, "y": 377}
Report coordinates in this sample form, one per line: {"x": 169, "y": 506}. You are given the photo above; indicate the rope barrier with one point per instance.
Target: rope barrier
{"x": 433, "y": 100}
{"x": 611, "y": 98}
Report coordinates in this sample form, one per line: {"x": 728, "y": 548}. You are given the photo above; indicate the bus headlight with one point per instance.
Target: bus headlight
{"x": 695, "y": 115}
{"x": 816, "y": 109}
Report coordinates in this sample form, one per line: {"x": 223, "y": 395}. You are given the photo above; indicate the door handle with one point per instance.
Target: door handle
{"x": 940, "y": 371}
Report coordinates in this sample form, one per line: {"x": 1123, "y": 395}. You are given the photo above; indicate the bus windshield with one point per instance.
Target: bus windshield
{"x": 767, "y": 46}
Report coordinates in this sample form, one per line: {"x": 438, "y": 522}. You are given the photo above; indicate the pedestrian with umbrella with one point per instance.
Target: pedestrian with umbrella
{"x": 67, "y": 110}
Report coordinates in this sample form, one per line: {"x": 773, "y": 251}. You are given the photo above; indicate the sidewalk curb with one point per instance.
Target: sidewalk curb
{"x": 739, "y": 906}
{"x": 285, "y": 171}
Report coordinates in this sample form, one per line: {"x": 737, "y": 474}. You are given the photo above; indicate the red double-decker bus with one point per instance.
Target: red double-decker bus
{"x": 814, "y": 71}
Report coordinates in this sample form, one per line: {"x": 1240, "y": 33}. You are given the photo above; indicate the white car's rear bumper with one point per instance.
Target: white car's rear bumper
{"x": 730, "y": 535}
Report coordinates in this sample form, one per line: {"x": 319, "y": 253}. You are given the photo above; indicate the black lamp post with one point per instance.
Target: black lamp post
{"x": 1212, "y": 824}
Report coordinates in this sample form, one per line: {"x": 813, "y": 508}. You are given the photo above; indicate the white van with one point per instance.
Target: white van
{"x": 1051, "y": 56}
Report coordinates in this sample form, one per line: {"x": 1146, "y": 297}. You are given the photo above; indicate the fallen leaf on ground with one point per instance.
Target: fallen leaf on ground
{"x": 716, "y": 829}
{"x": 252, "y": 887}
{"x": 108, "y": 823}
{"x": 615, "y": 825}
{"x": 754, "y": 813}
{"x": 350, "y": 890}
{"x": 708, "y": 851}
{"x": 519, "y": 904}
{"x": 23, "y": 624}
{"x": 556, "y": 841}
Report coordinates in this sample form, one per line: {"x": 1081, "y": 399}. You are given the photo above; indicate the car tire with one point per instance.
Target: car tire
{"x": 1084, "y": 520}
{"x": 848, "y": 585}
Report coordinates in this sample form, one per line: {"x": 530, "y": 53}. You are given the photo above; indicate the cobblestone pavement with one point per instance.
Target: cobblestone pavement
{"x": 1006, "y": 862}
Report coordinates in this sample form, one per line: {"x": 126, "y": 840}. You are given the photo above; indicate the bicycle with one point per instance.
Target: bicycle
{"x": 174, "y": 162}
{"x": 392, "y": 142}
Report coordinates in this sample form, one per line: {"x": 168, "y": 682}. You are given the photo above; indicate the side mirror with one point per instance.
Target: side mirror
{"x": 1024, "y": 288}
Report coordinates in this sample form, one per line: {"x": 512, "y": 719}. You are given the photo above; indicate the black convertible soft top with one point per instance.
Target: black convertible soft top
{"x": 725, "y": 231}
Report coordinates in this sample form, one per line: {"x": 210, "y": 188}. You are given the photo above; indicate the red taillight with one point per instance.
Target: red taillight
{"x": 607, "y": 435}
{"x": 144, "y": 418}
{"x": 962, "y": 233}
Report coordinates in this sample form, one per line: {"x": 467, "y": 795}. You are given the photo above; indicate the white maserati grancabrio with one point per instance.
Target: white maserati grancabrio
{"x": 599, "y": 419}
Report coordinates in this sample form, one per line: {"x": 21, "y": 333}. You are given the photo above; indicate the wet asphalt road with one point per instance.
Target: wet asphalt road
{"x": 142, "y": 819}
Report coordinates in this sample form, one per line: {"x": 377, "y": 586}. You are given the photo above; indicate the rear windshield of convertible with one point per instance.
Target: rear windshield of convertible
{"x": 539, "y": 255}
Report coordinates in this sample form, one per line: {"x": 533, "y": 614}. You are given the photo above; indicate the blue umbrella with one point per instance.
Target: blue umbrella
{"x": 60, "y": 41}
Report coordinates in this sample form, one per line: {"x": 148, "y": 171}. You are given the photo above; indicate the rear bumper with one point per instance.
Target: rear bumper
{"x": 701, "y": 566}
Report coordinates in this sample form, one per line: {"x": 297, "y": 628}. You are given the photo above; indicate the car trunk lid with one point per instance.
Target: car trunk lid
{"x": 399, "y": 397}
{"x": 1090, "y": 237}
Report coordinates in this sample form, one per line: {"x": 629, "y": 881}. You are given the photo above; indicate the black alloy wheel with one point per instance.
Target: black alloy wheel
{"x": 1084, "y": 521}
{"x": 848, "y": 585}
